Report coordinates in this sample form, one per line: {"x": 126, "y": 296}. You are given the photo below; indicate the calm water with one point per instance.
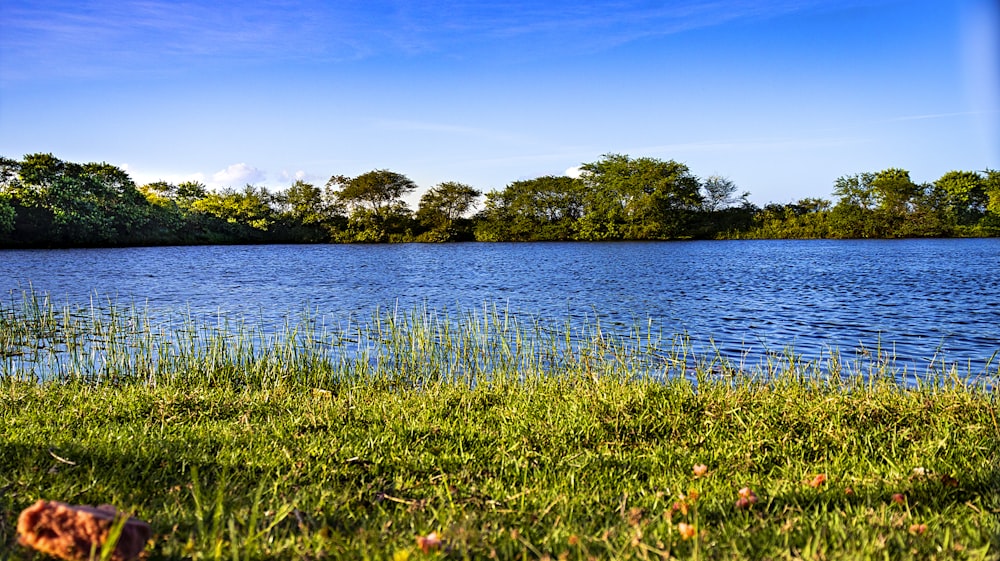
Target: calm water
{"x": 921, "y": 300}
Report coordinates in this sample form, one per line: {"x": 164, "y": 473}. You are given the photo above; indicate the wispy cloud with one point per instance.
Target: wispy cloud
{"x": 97, "y": 37}
{"x": 572, "y": 25}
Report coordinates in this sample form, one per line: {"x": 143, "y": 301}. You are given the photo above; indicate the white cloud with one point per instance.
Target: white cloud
{"x": 299, "y": 175}
{"x": 237, "y": 175}
{"x": 145, "y": 177}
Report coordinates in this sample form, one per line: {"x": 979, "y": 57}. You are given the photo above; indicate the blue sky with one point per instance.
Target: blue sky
{"x": 782, "y": 97}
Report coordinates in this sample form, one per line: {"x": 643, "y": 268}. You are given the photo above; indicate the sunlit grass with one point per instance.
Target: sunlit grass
{"x": 420, "y": 435}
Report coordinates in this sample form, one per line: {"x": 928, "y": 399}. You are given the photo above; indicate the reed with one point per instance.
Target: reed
{"x": 110, "y": 343}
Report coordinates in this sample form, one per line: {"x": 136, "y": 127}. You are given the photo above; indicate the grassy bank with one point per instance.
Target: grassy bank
{"x": 557, "y": 448}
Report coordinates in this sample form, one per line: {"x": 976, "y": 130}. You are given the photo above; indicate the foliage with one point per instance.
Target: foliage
{"x": 7, "y": 214}
{"x": 74, "y": 203}
{"x": 306, "y": 213}
{"x": 805, "y": 219}
{"x": 887, "y": 204}
{"x": 251, "y": 206}
{"x": 637, "y": 199}
{"x": 992, "y": 188}
{"x": 854, "y": 215}
{"x": 380, "y": 192}
{"x": 545, "y": 208}
{"x": 964, "y": 193}
{"x": 442, "y": 211}
{"x": 374, "y": 200}
{"x": 719, "y": 193}
{"x": 305, "y": 204}
{"x": 47, "y": 202}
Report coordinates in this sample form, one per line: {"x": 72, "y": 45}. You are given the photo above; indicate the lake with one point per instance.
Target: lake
{"x": 916, "y": 300}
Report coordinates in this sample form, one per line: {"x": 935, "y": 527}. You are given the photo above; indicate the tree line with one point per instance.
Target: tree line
{"x": 48, "y": 202}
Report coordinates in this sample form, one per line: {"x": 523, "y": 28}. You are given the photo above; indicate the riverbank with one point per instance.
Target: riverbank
{"x": 569, "y": 467}
{"x": 480, "y": 435}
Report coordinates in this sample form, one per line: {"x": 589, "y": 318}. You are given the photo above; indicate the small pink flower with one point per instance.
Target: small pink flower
{"x": 747, "y": 498}
{"x": 917, "y": 529}
{"x": 818, "y": 480}
{"x": 899, "y": 498}
{"x": 686, "y": 531}
{"x": 700, "y": 470}
{"x": 429, "y": 542}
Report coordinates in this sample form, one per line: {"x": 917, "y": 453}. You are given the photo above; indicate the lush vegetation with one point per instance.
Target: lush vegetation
{"x": 479, "y": 436}
{"x": 47, "y": 202}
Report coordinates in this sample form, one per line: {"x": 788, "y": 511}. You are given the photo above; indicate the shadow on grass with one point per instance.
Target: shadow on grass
{"x": 161, "y": 486}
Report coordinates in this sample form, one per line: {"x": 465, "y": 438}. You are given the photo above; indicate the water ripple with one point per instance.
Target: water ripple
{"x": 922, "y": 300}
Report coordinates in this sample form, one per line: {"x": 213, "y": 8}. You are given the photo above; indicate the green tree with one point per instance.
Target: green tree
{"x": 642, "y": 198}
{"x": 806, "y": 218}
{"x": 856, "y": 190}
{"x": 173, "y": 220}
{"x": 166, "y": 222}
{"x": 854, "y": 214}
{"x": 375, "y": 202}
{"x": 722, "y": 212}
{"x": 928, "y": 214}
{"x": 894, "y": 191}
{"x": 876, "y": 205}
{"x": 990, "y": 222}
{"x": 159, "y": 193}
{"x": 965, "y": 196}
{"x": 378, "y": 191}
{"x": 492, "y": 224}
{"x": 303, "y": 202}
{"x": 307, "y": 204}
{"x": 7, "y": 214}
{"x": 188, "y": 192}
{"x": 308, "y": 214}
{"x": 250, "y": 207}
{"x": 77, "y": 204}
{"x": 896, "y": 194}
{"x": 544, "y": 208}
{"x": 183, "y": 194}
{"x": 9, "y": 170}
{"x": 443, "y": 208}
{"x": 992, "y": 188}
{"x": 720, "y": 193}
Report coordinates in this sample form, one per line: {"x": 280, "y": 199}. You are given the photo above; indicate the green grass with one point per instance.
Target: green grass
{"x": 508, "y": 441}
